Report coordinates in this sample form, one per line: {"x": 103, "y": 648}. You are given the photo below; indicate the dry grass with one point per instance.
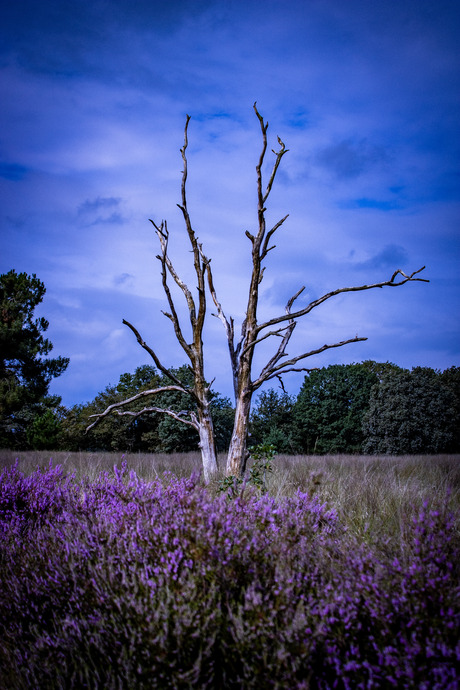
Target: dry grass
{"x": 149, "y": 466}
{"x": 372, "y": 494}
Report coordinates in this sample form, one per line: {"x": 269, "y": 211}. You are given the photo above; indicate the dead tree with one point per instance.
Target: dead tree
{"x": 199, "y": 393}
{"x": 252, "y": 332}
{"x": 282, "y": 327}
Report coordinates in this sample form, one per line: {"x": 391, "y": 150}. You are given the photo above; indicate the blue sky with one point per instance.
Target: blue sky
{"x": 365, "y": 95}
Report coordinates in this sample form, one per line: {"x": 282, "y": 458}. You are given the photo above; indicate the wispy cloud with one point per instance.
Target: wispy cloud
{"x": 94, "y": 98}
{"x": 391, "y": 256}
{"x": 91, "y": 205}
{"x": 123, "y": 279}
{"x": 350, "y": 158}
{"x": 100, "y": 211}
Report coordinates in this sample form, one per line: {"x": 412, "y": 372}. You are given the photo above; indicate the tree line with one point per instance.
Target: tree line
{"x": 368, "y": 407}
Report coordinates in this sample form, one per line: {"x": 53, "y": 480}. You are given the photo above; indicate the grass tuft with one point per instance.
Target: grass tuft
{"x": 125, "y": 571}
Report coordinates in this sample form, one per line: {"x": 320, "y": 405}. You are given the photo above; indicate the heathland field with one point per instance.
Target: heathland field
{"x": 327, "y": 572}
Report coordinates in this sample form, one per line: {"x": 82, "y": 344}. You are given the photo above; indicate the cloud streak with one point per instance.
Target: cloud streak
{"x": 366, "y": 98}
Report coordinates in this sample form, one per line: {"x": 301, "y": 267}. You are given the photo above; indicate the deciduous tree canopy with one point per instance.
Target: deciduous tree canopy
{"x": 147, "y": 432}
{"x": 412, "y": 412}
{"x": 330, "y": 407}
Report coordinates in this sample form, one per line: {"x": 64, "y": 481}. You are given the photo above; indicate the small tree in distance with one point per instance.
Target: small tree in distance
{"x": 241, "y": 351}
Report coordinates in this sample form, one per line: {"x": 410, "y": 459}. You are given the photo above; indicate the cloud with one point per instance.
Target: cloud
{"x": 123, "y": 279}
{"x": 99, "y": 211}
{"x": 112, "y": 219}
{"x": 350, "y": 158}
{"x": 89, "y": 206}
{"x": 381, "y": 205}
{"x": 391, "y": 256}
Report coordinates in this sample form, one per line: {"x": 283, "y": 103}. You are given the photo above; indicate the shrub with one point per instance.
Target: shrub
{"x": 119, "y": 582}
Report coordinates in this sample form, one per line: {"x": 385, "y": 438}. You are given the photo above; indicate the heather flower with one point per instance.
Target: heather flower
{"x": 120, "y": 582}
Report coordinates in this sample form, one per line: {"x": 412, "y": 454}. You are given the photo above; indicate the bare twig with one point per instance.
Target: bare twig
{"x": 153, "y": 355}
{"x": 279, "y": 155}
{"x": 275, "y": 371}
{"x": 358, "y": 288}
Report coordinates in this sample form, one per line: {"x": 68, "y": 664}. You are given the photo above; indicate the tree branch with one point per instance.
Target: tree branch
{"x": 197, "y": 323}
{"x": 270, "y": 373}
{"x": 143, "y": 394}
{"x": 281, "y": 352}
{"x": 270, "y": 233}
{"x": 279, "y": 331}
{"x": 227, "y": 323}
{"x": 279, "y": 155}
{"x": 153, "y": 355}
{"x": 166, "y": 265}
{"x": 320, "y": 300}
{"x": 196, "y": 319}
{"x": 176, "y": 415}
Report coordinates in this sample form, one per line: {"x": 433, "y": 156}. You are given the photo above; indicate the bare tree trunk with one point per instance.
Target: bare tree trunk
{"x": 252, "y": 333}
{"x": 205, "y": 424}
{"x": 282, "y": 327}
{"x": 207, "y": 445}
{"x": 237, "y": 452}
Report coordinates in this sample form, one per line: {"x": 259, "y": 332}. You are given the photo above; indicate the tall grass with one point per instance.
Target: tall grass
{"x": 149, "y": 466}
{"x": 371, "y": 494}
{"x": 117, "y": 574}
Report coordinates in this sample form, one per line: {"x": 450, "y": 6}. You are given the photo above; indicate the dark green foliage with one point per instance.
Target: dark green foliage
{"x": 113, "y": 432}
{"x": 261, "y": 459}
{"x": 450, "y": 378}
{"x": 330, "y": 406}
{"x": 25, "y": 372}
{"x": 380, "y": 369}
{"x": 223, "y": 415}
{"x": 44, "y": 431}
{"x": 116, "y": 432}
{"x": 412, "y": 412}
{"x": 174, "y": 436}
{"x": 151, "y": 432}
{"x": 271, "y": 421}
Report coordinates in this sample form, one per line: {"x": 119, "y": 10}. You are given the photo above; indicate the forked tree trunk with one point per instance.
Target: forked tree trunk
{"x": 252, "y": 332}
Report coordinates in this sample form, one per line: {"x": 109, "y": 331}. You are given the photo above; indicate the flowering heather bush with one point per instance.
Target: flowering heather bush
{"x": 122, "y": 583}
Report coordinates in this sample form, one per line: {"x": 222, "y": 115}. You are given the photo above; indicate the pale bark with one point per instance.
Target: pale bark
{"x": 237, "y": 452}
{"x": 199, "y": 393}
{"x": 253, "y": 333}
{"x": 207, "y": 444}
